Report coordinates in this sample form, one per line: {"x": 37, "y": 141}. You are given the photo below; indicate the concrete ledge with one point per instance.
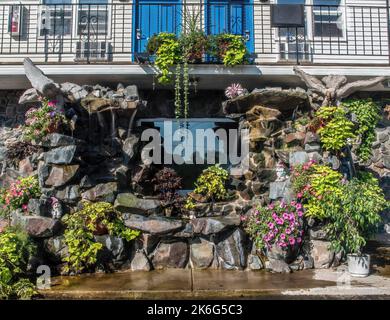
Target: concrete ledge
{"x": 210, "y": 76}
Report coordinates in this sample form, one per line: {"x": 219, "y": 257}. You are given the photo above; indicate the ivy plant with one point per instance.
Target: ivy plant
{"x": 168, "y": 54}
{"x": 228, "y": 48}
{"x": 368, "y": 114}
{"x": 336, "y": 129}
{"x": 211, "y": 185}
{"x": 15, "y": 250}
{"x": 81, "y": 227}
{"x": 312, "y": 182}
{"x": 353, "y": 214}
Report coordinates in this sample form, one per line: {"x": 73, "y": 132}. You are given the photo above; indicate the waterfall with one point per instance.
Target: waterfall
{"x": 131, "y": 122}
{"x": 113, "y": 124}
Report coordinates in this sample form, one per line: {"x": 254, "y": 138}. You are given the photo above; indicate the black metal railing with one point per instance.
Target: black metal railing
{"x": 94, "y": 33}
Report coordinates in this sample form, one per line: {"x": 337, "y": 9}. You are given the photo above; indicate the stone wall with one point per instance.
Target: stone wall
{"x": 11, "y": 113}
{"x": 101, "y": 162}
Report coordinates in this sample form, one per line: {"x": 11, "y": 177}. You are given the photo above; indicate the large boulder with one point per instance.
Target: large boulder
{"x": 140, "y": 262}
{"x": 61, "y": 155}
{"x": 210, "y": 225}
{"x": 202, "y": 254}
{"x": 101, "y": 192}
{"x": 69, "y": 194}
{"x": 155, "y": 225}
{"x": 40, "y": 227}
{"x": 114, "y": 246}
{"x": 61, "y": 175}
{"x": 231, "y": 250}
{"x": 130, "y": 147}
{"x": 94, "y": 104}
{"x": 254, "y": 262}
{"x": 263, "y": 122}
{"x": 56, "y": 248}
{"x": 39, "y": 207}
{"x": 269, "y": 97}
{"x": 54, "y": 140}
{"x": 171, "y": 255}
{"x": 73, "y": 91}
{"x": 277, "y": 266}
{"x": 321, "y": 254}
{"x": 129, "y": 203}
{"x": 298, "y": 157}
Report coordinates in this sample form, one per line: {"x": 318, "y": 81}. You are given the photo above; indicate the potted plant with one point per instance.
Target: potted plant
{"x": 276, "y": 229}
{"x": 228, "y": 49}
{"x": 353, "y": 217}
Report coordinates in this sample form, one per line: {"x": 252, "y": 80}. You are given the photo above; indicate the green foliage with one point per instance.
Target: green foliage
{"x": 80, "y": 229}
{"x": 228, "y": 48}
{"x": 17, "y": 195}
{"x": 15, "y": 250}
{"x": 353, "y": 213}
{"x": 168, "y": 54}
{"x": 368, "y": 115}
{"x": 312, "y": 182}
{"x": 192, "y": 39}
{"x": 211, "y": 183}
{"x": 192, "y": 44}
{"x": 157, "y": 40}
{"x": 337, "y": 129}
{"x": 279, "y": 223}
{"x": 44, "y": 120}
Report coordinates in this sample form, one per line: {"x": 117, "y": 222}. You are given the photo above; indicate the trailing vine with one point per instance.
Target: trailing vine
{"x": 178, "y": 110}
{"x": 168, "y": 53}
{"x": 186, "y": 85}
{"x": 368, "y": 114}
{"x": 81, "y": 228}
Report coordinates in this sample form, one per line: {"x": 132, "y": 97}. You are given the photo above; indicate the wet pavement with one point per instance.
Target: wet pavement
{"x": 225, "y": 284}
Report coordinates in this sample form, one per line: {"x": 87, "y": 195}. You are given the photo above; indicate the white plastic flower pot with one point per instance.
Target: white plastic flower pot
{"x": 358, "y": 265}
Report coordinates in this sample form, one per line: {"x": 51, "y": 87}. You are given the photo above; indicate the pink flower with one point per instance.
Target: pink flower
{"x": 282, "y": 204}
{"x": 299, "y": 206}
{"x": 288, "y": 230}
{"x": 291, "y": 240}
{"x": 24, "y": 207}
{"x": 282, "y": 244}
{"x": 285, "y": 215}
{"x": 243, "y": 218}
{"x": 282, "y": 236}
{"x": 300, "y": 213}
{"x": 271, "y": 225}
{"x": 299, "y": 195}
{"x": 279, "y": 221}
{"x": 299, "y": 240}
{"x": 271, "y": 206}
{"x": 293, "y": 203}
{"x": 52, "y": 103}
{"x": 274, "y": 216}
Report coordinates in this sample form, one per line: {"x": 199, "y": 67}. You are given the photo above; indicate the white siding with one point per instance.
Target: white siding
{"x": 365, "y": 41}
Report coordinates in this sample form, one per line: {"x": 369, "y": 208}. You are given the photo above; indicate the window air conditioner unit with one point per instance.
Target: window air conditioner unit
{"x": 91, "y": 51}
{"x": 288, "y": 51}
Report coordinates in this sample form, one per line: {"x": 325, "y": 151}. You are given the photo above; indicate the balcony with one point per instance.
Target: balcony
{"x": 119, "y": 32}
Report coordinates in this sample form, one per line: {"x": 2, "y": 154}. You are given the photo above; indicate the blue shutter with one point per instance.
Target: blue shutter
{"x": 153, "y": 17}
{"x": 234, "y": 16}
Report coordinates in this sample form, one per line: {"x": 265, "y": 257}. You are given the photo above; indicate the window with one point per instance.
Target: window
{"x": 291, "y": 33}
{"x": 93, "y": 17}
{"x": 56, "y": 18}
{"x": 328, "y": 18}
